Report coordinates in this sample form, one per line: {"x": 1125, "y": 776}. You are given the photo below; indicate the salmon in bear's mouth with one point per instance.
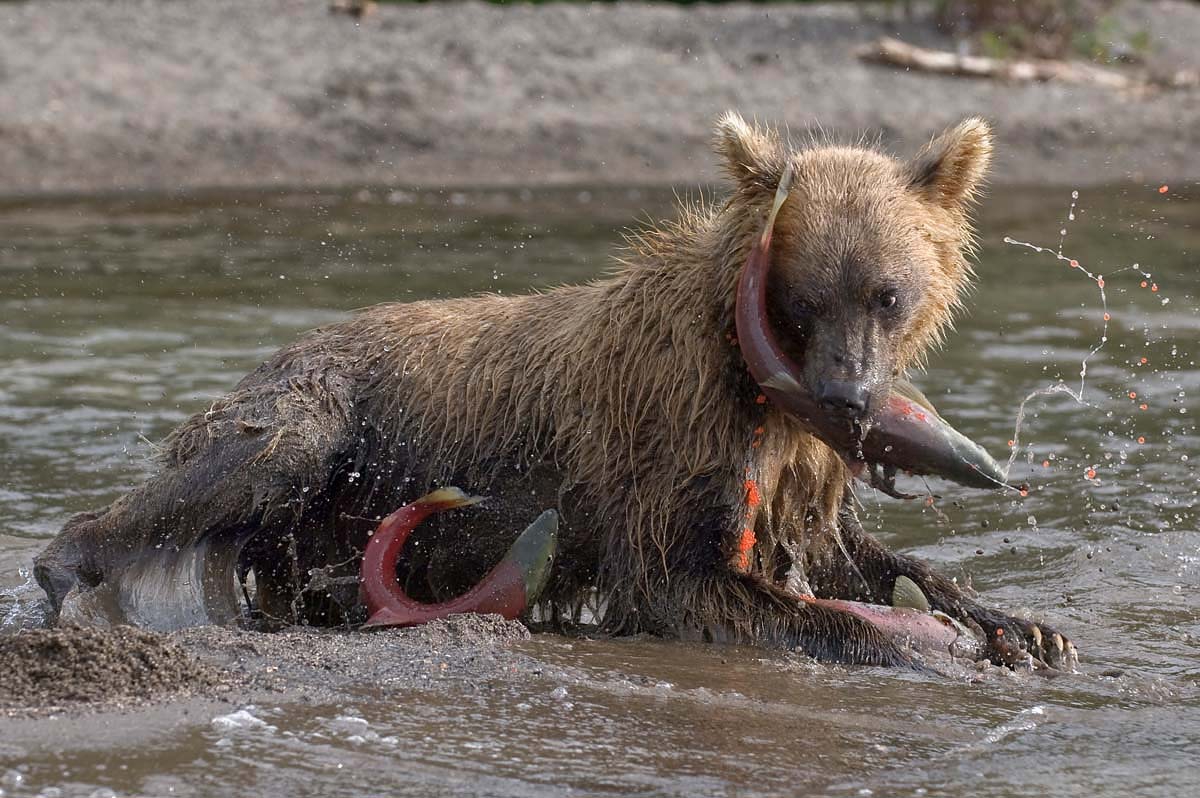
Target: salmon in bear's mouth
{"x": 906, "y": 434}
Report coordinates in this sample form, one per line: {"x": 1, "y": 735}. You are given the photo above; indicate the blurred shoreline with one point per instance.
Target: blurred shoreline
{"x": 104, "y": 97}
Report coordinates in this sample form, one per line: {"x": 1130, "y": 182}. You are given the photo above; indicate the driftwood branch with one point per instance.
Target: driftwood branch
{"x": 897, "y": 53}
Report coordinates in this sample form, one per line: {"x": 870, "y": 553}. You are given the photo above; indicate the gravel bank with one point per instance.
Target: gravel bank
{"x": 102, "y": 96}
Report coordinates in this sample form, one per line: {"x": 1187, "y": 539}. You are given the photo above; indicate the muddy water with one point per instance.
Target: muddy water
{"x": 120, "y": 317}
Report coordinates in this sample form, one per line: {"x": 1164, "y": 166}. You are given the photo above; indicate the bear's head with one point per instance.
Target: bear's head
{"x": 868, "y": 262}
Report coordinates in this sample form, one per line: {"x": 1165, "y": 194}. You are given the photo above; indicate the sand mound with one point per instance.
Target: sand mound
{"x": 48, "y": 668}
{"x": 44, "y": 671}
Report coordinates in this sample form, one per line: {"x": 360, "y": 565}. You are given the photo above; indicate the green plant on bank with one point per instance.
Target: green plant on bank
{"x": 1109, "y": 41}
{"x": 1042, "y": 28}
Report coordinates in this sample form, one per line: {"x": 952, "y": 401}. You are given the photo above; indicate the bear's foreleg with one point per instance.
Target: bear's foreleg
{"x": 740, "y": 608}
{"x": 871, "y": 576}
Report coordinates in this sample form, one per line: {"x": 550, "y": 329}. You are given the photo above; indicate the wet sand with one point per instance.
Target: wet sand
{"x": 45, "y": 671}
{"x": 100, "y": 96}
{"x": 82, "y": 671}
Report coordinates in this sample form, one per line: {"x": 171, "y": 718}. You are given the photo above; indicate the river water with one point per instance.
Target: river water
{"x": 120, "y": 317}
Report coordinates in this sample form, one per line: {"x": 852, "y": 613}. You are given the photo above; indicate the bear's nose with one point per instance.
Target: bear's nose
{"x": 843, "y": 397}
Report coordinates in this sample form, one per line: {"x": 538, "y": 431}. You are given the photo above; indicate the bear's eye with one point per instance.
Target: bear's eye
{"x": 803, "y": 309}
{"x": 887, "y": 300}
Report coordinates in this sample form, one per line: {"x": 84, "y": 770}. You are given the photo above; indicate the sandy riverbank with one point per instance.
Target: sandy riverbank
{"x": 103, "y": 96}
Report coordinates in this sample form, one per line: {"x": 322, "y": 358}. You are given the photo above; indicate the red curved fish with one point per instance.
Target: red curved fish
{"x": 507, "y": 590}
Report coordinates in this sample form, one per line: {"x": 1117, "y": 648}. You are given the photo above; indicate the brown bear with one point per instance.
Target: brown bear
{"x": 689, "y": 505}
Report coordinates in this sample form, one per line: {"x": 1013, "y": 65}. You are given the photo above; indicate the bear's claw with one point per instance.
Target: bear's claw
{"x": 1019, "y": 643}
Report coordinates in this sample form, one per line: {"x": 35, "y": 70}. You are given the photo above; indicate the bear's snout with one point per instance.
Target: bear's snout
{"x": 848, "y": 398}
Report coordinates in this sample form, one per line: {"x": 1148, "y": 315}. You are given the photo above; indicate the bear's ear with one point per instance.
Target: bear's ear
{"x": 950, "y": 171}
{"x": 754, "y": 156}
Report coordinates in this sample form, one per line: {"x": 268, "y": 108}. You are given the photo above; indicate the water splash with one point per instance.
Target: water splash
{"x": 1061, "y": 387}
{"x": 21, "y": 606}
